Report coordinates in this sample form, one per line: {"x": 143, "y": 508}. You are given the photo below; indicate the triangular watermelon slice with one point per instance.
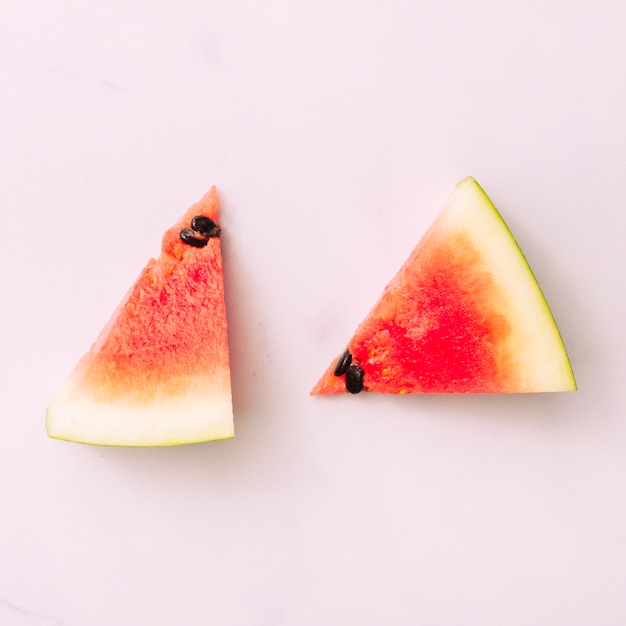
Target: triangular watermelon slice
{"x": 158, "y": 374}
{"x": 464, "y": 314}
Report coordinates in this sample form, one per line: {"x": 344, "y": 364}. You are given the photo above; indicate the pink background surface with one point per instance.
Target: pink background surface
{"x": 334, "y": 132}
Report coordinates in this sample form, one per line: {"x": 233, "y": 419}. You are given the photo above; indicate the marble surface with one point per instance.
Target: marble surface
{"x": 334, "y": 132}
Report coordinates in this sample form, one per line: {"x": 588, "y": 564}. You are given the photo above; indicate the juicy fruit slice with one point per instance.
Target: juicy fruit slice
{"x": 158, "y": 374}
{"x": 463, "y": 315}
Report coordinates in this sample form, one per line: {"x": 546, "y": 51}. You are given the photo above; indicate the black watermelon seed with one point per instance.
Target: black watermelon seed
{"x": 205, "y": 226}
{"x": 354, "y": 379}
{"x": 343, "y": 363}
{"x": 189, "y": 237}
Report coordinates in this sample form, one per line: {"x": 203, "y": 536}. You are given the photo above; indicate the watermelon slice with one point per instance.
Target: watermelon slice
{"x": 158, "y": 374}
{"x": 463, "y": 315}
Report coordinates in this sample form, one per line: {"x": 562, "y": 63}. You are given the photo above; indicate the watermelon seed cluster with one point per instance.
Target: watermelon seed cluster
{"x": 354, "y": 373}
{"x": 202, "y": 229}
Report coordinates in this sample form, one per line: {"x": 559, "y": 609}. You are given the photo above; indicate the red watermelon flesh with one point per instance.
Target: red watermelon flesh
{"x": 158, "y": 374}
{"x": 464, "y": 314}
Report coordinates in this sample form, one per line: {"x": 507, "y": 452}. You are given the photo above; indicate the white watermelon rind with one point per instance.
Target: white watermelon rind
{"x": 535, "y": 341}
{"x": 176, "y": 420}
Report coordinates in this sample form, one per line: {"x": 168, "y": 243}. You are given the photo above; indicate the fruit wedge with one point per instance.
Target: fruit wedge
{"x": 158, "y": 374}
{"x": 464, "y": 314}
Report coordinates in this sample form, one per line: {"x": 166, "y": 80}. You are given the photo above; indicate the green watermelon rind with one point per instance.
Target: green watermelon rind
{"x": 530, "y": 270}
